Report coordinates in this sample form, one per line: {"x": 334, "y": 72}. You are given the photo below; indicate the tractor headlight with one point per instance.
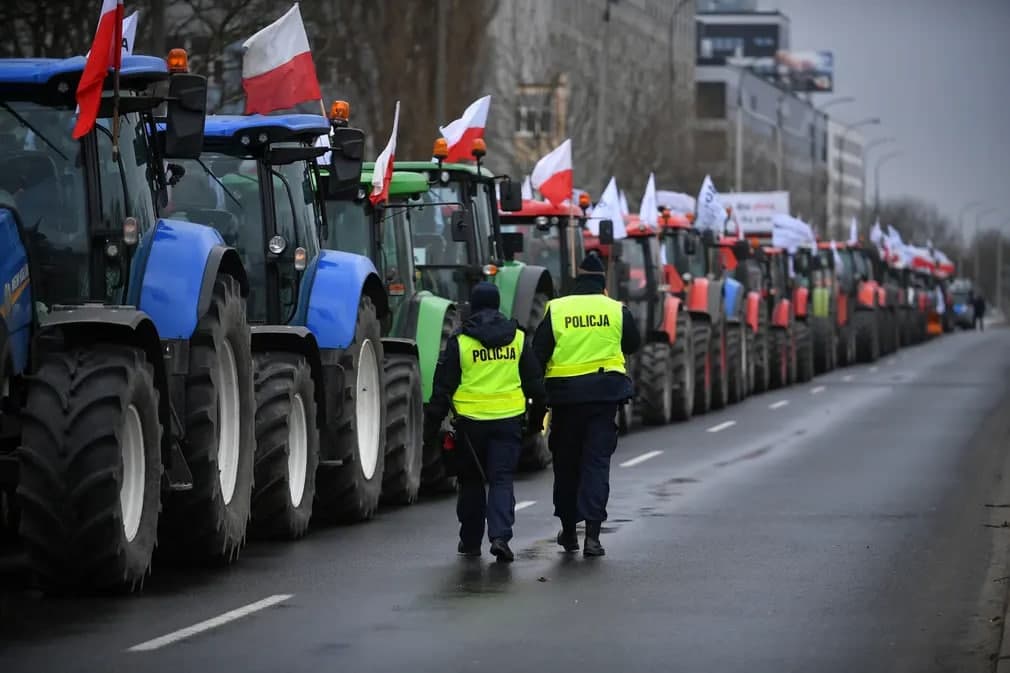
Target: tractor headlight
{"x": 277, "y": 245}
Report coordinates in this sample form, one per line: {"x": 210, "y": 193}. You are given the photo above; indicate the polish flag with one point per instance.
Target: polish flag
{"x": 277, "y": 68}
{"x": 553, "y": 174}
{"x": 106, "y": 52}
{"x": 461, "y": 133}
{"x": 382, "y": 173}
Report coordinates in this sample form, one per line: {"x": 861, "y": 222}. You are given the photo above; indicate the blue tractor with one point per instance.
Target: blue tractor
{"x": 325, "y": 426}
{"x": 126, "y": 361}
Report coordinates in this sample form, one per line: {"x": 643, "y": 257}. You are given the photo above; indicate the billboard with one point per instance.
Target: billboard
{"x": 755, "y": 211}
{"x": 798, "y": 71}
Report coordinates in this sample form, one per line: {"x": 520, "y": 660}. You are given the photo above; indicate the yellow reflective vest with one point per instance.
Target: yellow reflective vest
{"x": 587, "y": 336}
{"x": 490, "y": 387}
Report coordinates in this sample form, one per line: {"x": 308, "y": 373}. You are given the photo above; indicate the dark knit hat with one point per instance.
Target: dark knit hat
{"x": 592, "y": 271}
{"x": 484, "y": 295}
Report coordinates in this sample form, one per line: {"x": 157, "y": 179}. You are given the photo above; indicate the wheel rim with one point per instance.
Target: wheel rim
{"x": 131, "y": 490}
{"x": 298, "y": 450}
{"x": 228, "y": 410}
{"x": 367, "y": 402}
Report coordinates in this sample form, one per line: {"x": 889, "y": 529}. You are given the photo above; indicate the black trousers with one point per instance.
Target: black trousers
{"x": 497, "y": 445}
{"x": 583, "y": 439}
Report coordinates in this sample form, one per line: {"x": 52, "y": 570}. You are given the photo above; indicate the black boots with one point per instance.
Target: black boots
{"x": 500, "y": 550}
{"x": 468, "y": 550}
{"x": 592, "y": 546}
{"x": 568, "y": 537}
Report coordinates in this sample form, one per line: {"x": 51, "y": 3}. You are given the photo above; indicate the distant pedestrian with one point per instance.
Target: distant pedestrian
{"x": 486, "y": 374}
{"x": 979, "y": 304}
{"x": 581, "y": 345}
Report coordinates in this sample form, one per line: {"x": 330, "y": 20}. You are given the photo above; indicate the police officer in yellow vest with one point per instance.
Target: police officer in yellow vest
{"x": 487, "y": 374}
{"x": 581, "y": 345}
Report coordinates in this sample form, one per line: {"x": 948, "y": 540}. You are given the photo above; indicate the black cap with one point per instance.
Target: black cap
{"x": 592, "y": 272}
{"x": 484, "y": 296}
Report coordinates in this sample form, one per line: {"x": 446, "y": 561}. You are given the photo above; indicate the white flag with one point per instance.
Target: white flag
{"x": 608, "y": 208}
{"x": 877, "y": 234}
{"x": 711, "y": 213}
{"x": 854, "y": 230}
{"x": 791, "y": 233}
{"x": 648, "y": 213}
{"x": 527, "y": 189}
{"x": 624, "y": 204}
{"x": 130, "y": 32}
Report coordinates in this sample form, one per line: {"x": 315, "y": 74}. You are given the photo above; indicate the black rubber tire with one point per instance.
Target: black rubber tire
{"x": 282, "y": 382}
{"x": 433, "y": 477}
{"x": 701, "y": 340}
{"x": 537, "y": 312}
{"x": 804, "y": 352}
{"x": 867, "y": 336}
{"x": 736, "y": 358}
{"x": 793, "y": 359}
{"x": 345, "y": 493}
{"x": 720, "y": 367}
{"x": 655, "y": 383}
{"x": 750, "y": 346}
{"x": 683, "y": 369}
{"x": 823, "y": 334}
{"x": 404, "y": 430}
{"x": 762, "y": 355}
{"x": 71, "y": 469}
{"x": 198, "y": 525}
{"x": 779, "y": 358}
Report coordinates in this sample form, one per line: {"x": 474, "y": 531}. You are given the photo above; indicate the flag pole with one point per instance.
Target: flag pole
{"x": 117, "y": 64}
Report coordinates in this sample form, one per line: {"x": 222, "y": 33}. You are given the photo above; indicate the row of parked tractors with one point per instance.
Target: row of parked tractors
{"x": 726, "y": 317}
{"x": 210, "y": 331}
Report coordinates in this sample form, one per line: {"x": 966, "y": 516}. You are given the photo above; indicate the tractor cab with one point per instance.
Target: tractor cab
{"x": 552, "y": 238}
{"x": 255, "y": 183}
{"x": 685, "y": 253}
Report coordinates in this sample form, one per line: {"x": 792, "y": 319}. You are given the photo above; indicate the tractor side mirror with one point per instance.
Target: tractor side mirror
{"x": 461, "y": 224}
{"x": 512, "y": 244}
{"x": 510, "y": 196}
{"x": 347, "y": 148}
{"x": 606, "y": 232}
{"x": 187, "y": 110}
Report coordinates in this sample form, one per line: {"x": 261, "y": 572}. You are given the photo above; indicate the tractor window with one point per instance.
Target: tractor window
{"x": 674, "y": 252}
{"x": 299, "y": 180}
{"x": 633, "y": 253}
{"x": 429, "y": 223}
{"x": 348, "y": 227}
{"x": 860, "y": 266}
{"x": 484, "y": 207}
{"x": 542, "y": 248}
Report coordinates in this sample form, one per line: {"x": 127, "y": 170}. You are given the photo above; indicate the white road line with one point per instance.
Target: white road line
{"x": 722, "y": 426}
{"x": 209, "y": 624}
{"x": 524, "y": 504}
{"x": 778, "y": 405}
{"x": 641, "y": 459}
{"x": 873, "y": 369}
{"x": 818, "y": 389}
{"x": 847, "y": 378}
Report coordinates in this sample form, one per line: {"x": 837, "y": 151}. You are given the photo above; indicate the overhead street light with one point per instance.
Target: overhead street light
{"x": 876, "y": 179}
{"x": 877, "y": 142}
{"x": 837, "y": 101}
{"x": 869, "y": 121}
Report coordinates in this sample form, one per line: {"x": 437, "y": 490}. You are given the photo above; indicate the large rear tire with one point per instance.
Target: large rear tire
{"x": 762, "y": 355}
{"x": 780, "y": 357}
{"x": 804, "y": 352}
{"x": 404, "y": 430}
{"x": 736, "y": 357}
{"x": 537, "y": 312}
{"x": 720, "y": 366}
{"x": 824, "y": 344}
{"x": 350, "y": 492}
{"x": 208, "y": 522}
{"x": 655, "y": 383}
{"x": 683, "y": 369}
{"x": 287, "y": 446}
{"x": 90, "y": 469}
{"x": 702, "y": 339}
{"x": 864, "y": 324}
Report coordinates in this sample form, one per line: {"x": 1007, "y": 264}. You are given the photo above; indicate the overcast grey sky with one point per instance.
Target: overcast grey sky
{"x": 937, "y": 73}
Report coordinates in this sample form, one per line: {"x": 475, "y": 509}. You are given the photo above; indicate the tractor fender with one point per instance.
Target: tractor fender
{"x": 881, "y": 297}
{"x": 532, "y": 280}
{"x": 732, "y": 291}
{"x": 507, "y": 282}
{"x": 422, "y": 325}
{"x": 867, "y": 295}
{"x": 781, "y": 313}
{"x": 843, "y": 309}
{"x": 671, "y": 309}
{"x": 179, "y": 262}
{"x": 17, "y": 313}
{"x": 673, "y": 278}
{"x": 295, "y": 339}
{"x": 83, "y": 326}
{"x": 801, "y": 299}
{"x": 399, "y": 346}
{"x": 697, "y": 296}
{"x": 753, "y": 311}
{"x": 331, "y": 289}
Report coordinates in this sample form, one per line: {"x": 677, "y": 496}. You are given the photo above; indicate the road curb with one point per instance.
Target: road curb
{"x": 999, "y": 517}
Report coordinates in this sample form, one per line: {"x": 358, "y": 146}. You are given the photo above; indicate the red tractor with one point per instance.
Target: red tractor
{"x": 744, "y": 262}
{"x": 779, "y": 303}
{"x": 870, "y": 297}
{"x": 552, "y": 236}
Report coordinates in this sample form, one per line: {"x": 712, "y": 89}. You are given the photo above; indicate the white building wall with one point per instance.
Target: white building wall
{"x": 846, "y": 178}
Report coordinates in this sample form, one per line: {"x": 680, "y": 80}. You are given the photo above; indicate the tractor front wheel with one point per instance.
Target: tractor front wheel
{"x": 702, "y": 345}
{"x": 404, "y": 430}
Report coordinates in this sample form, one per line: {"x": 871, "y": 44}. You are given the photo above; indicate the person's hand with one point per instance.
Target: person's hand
{"x": 535, "y": 420}
{"x": 431, "y": 430}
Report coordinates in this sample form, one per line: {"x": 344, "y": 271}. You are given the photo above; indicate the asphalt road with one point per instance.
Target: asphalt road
{"x": 840, "y": 525}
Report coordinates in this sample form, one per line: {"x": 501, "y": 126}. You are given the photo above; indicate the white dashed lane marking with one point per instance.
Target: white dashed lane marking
{"x": 818, "y": 389}
{"x": 523, "y": 504}
{"x": 641, "y": 459}
{"x": 722, "y": 426}
{"x": 847, "y": 378}
{"x": 778, "y": 405}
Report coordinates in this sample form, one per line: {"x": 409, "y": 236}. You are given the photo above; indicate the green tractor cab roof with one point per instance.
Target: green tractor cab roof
{"x": 404, "y": 183}
{"x": 433, "y": 166}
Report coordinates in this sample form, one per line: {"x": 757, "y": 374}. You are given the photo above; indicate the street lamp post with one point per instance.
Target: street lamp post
{"x": 870, "y": 121}
{"x": 877, "y": 142}
{"x": 837, "y": 101}
{"x": 961, "y": 226}
{"x": 979, "y": 216}
{"x": 876, "y": 179}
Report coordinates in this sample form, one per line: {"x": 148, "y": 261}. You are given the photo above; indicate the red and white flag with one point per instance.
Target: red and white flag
{"x": 553, "y": 174}
{"x": 461, "y": 133}
{"x": 382, "y": 173}
{"x": 106, "y": 52}
{"x": 277, "y": 67}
